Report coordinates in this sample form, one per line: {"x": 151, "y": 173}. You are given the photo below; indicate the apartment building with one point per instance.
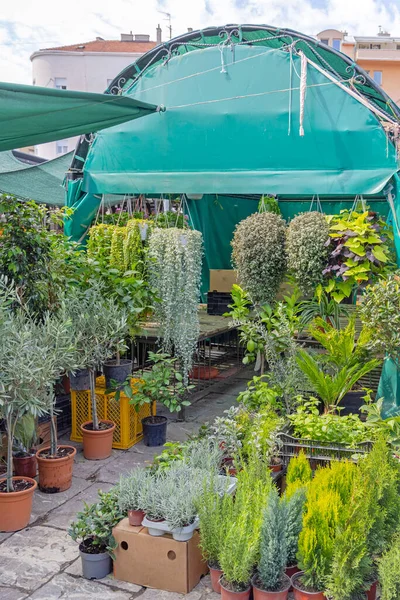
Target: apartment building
{"x": 378, "y": 55}
{"x": 87, "y": 67}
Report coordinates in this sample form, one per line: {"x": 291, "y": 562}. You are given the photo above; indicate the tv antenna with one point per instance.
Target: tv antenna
{"x": 168, "y": 18}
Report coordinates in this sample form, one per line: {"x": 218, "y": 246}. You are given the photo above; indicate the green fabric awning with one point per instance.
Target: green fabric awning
{"x": 33, "y": 115}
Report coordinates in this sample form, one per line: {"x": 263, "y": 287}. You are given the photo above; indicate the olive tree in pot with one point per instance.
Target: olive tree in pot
{"x": 164, "y": 384}
{"x": 99, "y": 325}
{"x": 270, "y": 581}
{"x": 93, "y": 530}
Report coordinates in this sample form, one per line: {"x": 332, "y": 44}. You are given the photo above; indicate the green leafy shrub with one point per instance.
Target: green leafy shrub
{"x": 306, "y": 248}
{"x": 389, "y": 572}
{"x": 99, "y": 243}
{"x": 259, "y": 255}
{"x": 273, "y": 546}
{"x": 260, "y": 394}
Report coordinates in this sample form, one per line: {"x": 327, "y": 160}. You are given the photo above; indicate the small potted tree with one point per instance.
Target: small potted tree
{"x": 99, "y": 326}
{"x": 93, "y": 530}
{"x": 270, "y": 581}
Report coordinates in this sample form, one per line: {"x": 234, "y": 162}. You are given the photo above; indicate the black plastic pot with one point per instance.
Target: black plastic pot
{"x": 352, "y": 402}
{"x": 154, "y": 431}
{"x": 117, "y": 372}
{"x": 80, "y": 382}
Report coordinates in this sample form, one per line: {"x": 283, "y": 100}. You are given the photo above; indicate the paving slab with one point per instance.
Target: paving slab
{"x": 65, "y": 587}
{"x": 63, "y": 517}
{"x": 88, "y": 468}
{"x": 121, "y": 465}
{"x": 8, "y": 593}
{"x": 5, "y": 536}
{"x": 179, "y": 432}
{"x": 44, "y": 503}
{"x": 29, "y": 558}
{"x": 75, "y": 569}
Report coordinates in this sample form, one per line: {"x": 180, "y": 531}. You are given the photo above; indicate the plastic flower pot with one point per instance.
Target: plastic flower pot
{"x": 215, "y": 576}
{"x": 135, "y": 517}
{"x": 154, "y": 431}
{"x": 276, "y": 465}
{"x": 80, "y": 382}
{"x": 97, "y": 444}
{"x": 155, "y": 527}
{"x": 55, "y": 474}
{"x": 290, "y": 571}
{"x": 228, "y": 594}
{"x": 260, "y": 594}
{"x": 300, "y": 594}
{"x": 117, "y": 372}
{"x": 371, "y": 593}
{"x": 25, "y": 466}
{"x": 95, "y": 566}
{"x": 16, "y": 507}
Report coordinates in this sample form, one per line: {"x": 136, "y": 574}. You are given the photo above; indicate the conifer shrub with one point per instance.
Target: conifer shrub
{"x": 389, "y": 571}
{"x": 295, "y": 504}
{"x": 273, "y": 547}
{"x": 299, "y": 473}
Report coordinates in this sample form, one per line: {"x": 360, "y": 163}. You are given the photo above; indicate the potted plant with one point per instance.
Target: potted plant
{"x": 389, "y": 573}
{"x": 99, "y": 325}
{"x": 129, "y": 495}
{"x": 164, "y": 384}
{"x": 24, "y": 454}
{"x": 150, "y": 498}
{"x": 270, "y": 581}
{"x": 93, "y": 530}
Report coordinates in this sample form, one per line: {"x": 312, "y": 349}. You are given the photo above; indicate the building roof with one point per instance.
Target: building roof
{"x": 383, "y": 39}
{"x": 104, "y": 46}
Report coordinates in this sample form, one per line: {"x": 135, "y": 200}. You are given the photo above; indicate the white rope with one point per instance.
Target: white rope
{"x": 317, "y": 201}
{"x": 357, "y": 199}
{"x": 303, "y": 88}
{"x": 390, "y": 199}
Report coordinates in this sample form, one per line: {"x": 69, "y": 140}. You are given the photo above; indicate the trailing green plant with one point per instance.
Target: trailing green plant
{"x": 269, "y": 204}
{"x": 175, "y": 273}
{"x": 129, "y": 489}
{"x": 95, "y": 523}
{"x": 117, "y": 258}
{"x": 306, "y": 246}
{"x": 360, "y": 250}
{"x": 163, "y": 383}
{"x": 259, "y": 255}
{"x": 389, "y": 573}
{"x": 294, "y": 501}
{"x": 99, "y": 243}
{"x": 332, "y": 387}
{"x": 273, "y": 546}
{"x": 380, "y": 313}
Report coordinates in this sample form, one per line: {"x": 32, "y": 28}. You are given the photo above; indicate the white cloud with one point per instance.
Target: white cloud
{"x": 26, "y": 26}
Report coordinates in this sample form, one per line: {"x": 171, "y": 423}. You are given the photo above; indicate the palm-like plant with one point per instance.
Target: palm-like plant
{"x": 331, "y": 388}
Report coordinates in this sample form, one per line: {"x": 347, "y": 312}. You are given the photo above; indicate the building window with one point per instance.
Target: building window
{"x": 325, "y": 41}
{"x": 62, "y": 147}
{"x": 60, "y": 83}
{"x": 398, "y": 47}
{"x": 378, "y": 77}
{"x": 375, "y": 46}
{"x": 336, "y": 44}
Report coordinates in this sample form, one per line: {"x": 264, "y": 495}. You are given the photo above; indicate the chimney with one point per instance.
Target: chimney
{"x": 141, "y": 37}
{"x": 127, "y": 37}
{"x": 158, "y": 34}
{"x": 190, "y": 29}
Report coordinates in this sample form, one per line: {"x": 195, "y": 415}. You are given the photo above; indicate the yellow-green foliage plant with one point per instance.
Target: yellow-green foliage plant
{"x": 328, "y": 496}
{"x": 298, "y": 475}
{"x": 99, "y": 243}
{"x": 241, "y": 547}
{"x": 389, "y": 571}
{"x": 117, "y": 248}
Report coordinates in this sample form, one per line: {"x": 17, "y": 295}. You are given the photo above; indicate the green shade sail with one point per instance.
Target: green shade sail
{"x": 232, "y": 127}
{"x": 34, "y": 115}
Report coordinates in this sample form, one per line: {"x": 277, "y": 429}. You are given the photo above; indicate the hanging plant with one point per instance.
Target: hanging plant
{"x": 307, "y": 252}
{"x": 135, "y": 245}
{"x": 99, "y": 243}
{"x": 259, "y": 255}
{"x": 360, "y": 250}
{"x": 117, "y": 248}
{"x": 175, "y": 273}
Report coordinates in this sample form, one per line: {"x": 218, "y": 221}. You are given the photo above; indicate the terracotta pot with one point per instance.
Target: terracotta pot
{"x": 215, "y": 575}
{"x": 259, "y": 594}
{"x": 25, "y": 466}
{"x": 16, "y": 507}
{"x": 55, "y": 474}
{"x": 299, "y": 594}
{"x": 371, "y": 594}
{"x": 276, "y": 468}
{"x": 97, "y": 445}
{"x": 230, "y": 595}
{"x": 290, "y": 571}
{"x": 135, "y": 517}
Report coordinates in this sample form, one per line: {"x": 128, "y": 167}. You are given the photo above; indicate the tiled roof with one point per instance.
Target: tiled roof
{"x": 106, "y": 46}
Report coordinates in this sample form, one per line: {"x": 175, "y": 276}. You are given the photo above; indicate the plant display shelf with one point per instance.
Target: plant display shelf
{"x": 128, "y": 430}
{"x": 318, "y": 451}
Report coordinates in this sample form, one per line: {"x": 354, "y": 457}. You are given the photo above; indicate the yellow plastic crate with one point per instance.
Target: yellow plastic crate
{"x": 128, "y": 430}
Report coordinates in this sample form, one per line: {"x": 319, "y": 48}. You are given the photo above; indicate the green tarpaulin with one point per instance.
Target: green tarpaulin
{"x": 33, "y": 115}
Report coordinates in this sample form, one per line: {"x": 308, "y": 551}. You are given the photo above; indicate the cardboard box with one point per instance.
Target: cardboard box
{"x": 222, "y": 280}
{"x": 157, "y": 562}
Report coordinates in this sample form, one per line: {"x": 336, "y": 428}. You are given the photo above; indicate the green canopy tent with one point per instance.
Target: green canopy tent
{"x": 250, "y": 110}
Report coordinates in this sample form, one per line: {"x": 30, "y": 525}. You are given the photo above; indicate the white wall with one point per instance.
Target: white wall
{"x": 84, "y": 71}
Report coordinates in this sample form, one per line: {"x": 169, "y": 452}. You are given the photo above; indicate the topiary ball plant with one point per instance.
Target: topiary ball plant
{"x": 259, "y": 255}
{"x": 307, "y": 252}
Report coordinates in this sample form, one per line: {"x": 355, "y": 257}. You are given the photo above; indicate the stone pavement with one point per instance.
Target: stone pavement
{"x": 42, "y": 562}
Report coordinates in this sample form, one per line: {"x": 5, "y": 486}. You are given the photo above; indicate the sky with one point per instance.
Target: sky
{"x": 28, "y": 25}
